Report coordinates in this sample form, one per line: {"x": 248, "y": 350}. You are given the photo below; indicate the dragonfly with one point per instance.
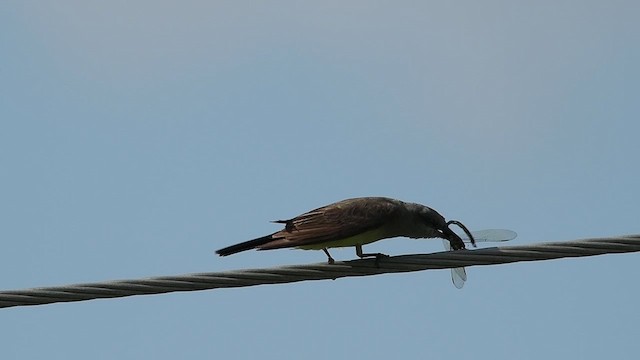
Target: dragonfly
{"x": 459, "y": 275}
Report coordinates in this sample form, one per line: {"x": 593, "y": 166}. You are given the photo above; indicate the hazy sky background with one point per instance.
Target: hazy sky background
{"x": 137, "y": 137}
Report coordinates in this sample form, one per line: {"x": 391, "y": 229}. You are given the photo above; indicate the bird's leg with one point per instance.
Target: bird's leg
{"x": 330, "y": 260}
{"x": 363, "y": 255}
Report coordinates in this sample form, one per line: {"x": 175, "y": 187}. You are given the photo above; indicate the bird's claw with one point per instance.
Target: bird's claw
{"x": 380, "y": 256}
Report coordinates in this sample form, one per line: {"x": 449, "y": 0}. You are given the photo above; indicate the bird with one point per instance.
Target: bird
{"x": 356, "y": 222}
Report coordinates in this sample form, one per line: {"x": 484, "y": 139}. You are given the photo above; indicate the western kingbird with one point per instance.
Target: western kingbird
{"x": 356, "y": 222}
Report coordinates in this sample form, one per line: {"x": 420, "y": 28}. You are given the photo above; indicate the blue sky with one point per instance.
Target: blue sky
{"x": 136, "y": 138}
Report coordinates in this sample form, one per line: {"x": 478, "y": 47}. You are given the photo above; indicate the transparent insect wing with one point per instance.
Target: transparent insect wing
{"x": 491, "y": 235}
{"x": 458, "y": 275}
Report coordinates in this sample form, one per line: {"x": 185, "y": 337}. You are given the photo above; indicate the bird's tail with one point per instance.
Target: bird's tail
{"x": 244, "y": 246}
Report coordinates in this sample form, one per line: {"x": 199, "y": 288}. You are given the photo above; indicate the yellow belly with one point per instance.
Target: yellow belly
{"x": 364, "y": 238}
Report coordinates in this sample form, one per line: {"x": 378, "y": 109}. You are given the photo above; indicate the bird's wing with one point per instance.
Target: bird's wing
{"x": 334, "y": 222}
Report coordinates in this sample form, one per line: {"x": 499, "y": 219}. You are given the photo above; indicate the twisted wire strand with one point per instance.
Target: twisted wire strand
{"x": 289, "y": 274}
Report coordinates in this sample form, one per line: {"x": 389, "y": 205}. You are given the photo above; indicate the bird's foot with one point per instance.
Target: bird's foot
{"x": 379, "y": 256}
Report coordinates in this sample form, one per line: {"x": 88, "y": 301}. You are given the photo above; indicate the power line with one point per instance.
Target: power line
{"x": 288, "y": 274}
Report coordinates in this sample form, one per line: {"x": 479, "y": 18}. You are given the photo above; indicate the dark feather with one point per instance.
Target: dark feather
{"x": 244, "y": 246}
{"x": 333, "y": 222}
